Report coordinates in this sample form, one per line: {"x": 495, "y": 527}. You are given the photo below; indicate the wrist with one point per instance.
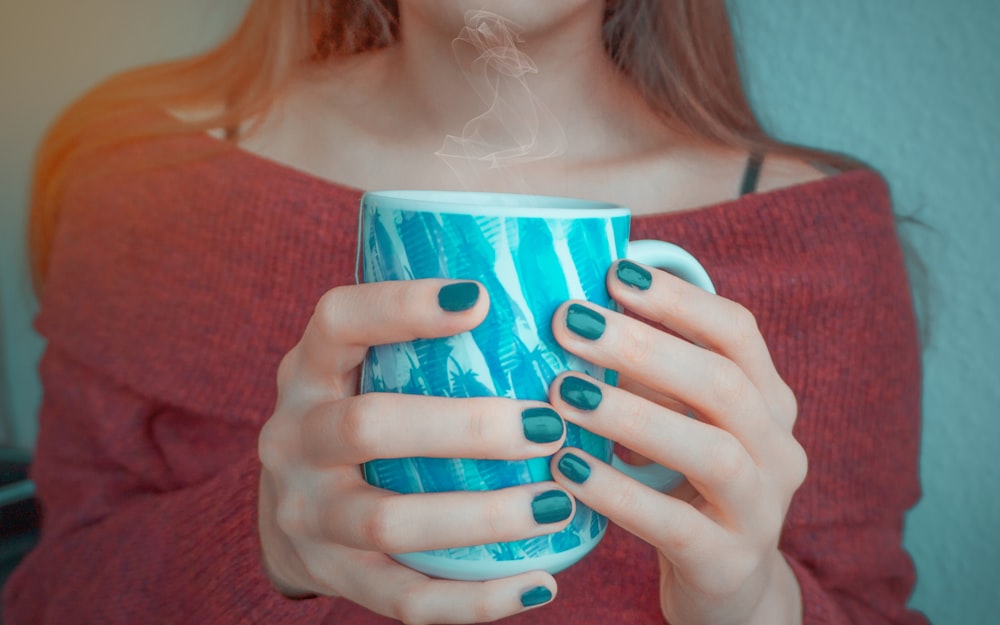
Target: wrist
{"x": 781, "y": 603}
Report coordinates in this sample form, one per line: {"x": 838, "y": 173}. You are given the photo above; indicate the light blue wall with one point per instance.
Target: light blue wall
{"x": 913, "y": 87}
{"x": 909, "y": 85}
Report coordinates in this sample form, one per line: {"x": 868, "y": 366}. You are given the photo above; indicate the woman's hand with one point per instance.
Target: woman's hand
{"x": 324, "y": 530}
{"x": 718, "y": 545}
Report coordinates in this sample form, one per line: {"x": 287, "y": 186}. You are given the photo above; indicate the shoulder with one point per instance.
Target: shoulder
{"x": 780, "y": 171}
{"x": 825, "y": 176}
{"x": 820, "y": 183}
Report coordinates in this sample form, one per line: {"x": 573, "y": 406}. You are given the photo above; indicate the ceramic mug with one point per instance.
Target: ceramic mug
{"x": 531, "y": 253}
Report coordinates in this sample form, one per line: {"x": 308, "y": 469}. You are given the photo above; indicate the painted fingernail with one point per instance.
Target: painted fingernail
{"x": 542, "y": 425}
{"x": 552, "y": 506}
{"x": 585, "y": 322}
{"x": 580, "y": 393}
{"x": 574, "y": 467}
{"x": 634, "y": 275}
{"x": 536, "y": 596}
{"x": 458, "y": 296}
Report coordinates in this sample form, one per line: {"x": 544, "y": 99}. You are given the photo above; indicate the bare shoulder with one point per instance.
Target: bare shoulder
{"x": 780, "y": 171}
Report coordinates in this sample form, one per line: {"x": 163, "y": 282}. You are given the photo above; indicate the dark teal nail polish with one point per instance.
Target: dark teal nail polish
{"x": 585, "y": 322}
{"x": 552, "y": 506}
{"x": 542, "y": 425}
{"x": 458, "y": 296}
{"x": 536, "y": 596}
{"x": 574, "y": 467}
{"x": 580, "y": 393}
{"x": 634, "y": 275}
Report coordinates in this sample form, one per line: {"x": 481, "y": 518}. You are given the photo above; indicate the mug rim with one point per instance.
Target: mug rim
{"x": 491, "y": 203}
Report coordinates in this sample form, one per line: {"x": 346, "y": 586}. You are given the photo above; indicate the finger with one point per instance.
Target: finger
{"x": 632, "y": 456}
{"x": 365, "y": 517}
{"x": 388, "y": 588}
{"x": 714, "y": 322}
{"x": 350, "y": 319}
{"x": 714, "y": 386}
{"x": 393, "y": 425}
{"x": 636, "y": 388}
{"x": 678, "y": 529}
{"x": 711, "y": 458}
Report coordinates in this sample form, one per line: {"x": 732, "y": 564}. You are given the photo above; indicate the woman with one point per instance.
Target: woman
{"x": 191, "y": 219}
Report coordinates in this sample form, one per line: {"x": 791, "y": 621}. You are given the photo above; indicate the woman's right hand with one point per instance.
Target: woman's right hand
{"x": 324, "y": 530}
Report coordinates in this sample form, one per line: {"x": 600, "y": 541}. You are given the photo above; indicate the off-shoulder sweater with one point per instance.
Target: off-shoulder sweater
{"x": 184, "y": 268}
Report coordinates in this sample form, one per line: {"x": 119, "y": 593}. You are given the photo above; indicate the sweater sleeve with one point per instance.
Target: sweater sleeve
{"x": 852, "y": 355}
{"x": 150, "y": 515}
{"x": 868, "y": 582}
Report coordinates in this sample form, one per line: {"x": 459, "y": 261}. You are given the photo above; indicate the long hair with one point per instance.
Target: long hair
{"x": 679, "y": 54}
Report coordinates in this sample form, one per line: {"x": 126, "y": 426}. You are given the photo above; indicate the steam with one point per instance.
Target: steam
{"x": 516, "y": 128}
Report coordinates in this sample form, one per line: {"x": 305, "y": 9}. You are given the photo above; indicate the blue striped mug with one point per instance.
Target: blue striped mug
{"x": 531, "y": 253}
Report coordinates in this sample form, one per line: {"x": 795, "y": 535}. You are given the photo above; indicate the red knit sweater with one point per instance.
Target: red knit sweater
{"x": 185, "y": 268}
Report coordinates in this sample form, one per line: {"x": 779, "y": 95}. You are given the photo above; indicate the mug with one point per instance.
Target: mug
{"x": 531, "y": 253}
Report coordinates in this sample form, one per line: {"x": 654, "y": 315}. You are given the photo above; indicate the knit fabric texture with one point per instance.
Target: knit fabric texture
{"x": 185, "y": 268}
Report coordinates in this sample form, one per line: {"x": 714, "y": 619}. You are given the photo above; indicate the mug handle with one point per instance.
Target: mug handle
{"x": 679, "y": 262}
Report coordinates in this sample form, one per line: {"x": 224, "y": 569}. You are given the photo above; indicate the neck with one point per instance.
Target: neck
{"x": 501, "y": 90}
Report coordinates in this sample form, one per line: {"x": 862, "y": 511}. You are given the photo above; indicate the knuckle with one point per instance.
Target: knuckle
{"x": 674, "y": 303}
{"x": 496, "y": 519}
{"x": 481, "y": 425}
{"x": 798, "y": 464}
{"x": 358, "y": 426}
{"x": 627, "y": 496}
{"x": 328, "y": 309}
{"x": 681, "y": 537}
{"x": 287, "y": 369}
{"x": 290, "y": 516}
{"x": 397, "y": 297}
{"x": 728, "y": 459}
{"x": 270, "y": 449}
{"x": 381, "y": 527}
{"x": 279, "y": 443}
{"x": 787, "y": 403}
{"x": 635, "y": 346}
{"x": 729, "y": 384}
{"x": 634, "y": 421}
{"x": 486, "y": 611}
{"x": 407, "y": 605}
{"x": 743, "y": 329}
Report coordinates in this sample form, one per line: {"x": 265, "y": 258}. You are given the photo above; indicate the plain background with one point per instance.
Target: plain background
{"x": 911, "y": 86}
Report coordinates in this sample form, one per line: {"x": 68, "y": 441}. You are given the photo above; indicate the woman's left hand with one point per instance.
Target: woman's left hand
{"x": 717, "y": 545}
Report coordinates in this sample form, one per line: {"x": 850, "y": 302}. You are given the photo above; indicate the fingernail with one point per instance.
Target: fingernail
{"x": 634, "y": 275}
{"x": 536, "y": 596}
{"x": 458, "y": 296}
{"x": 542, "y": 425}
{"x": 574, "y": 467}
{"x": 551, "y": 506}
{"x": 580, "y": 393}
{"x": 585, "y": 322}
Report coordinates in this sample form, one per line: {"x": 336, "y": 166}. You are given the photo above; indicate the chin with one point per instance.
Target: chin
{"x": 533, "y": 17}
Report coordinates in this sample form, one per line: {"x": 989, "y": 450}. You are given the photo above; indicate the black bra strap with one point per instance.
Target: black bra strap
{"x": 752, "y": 173}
